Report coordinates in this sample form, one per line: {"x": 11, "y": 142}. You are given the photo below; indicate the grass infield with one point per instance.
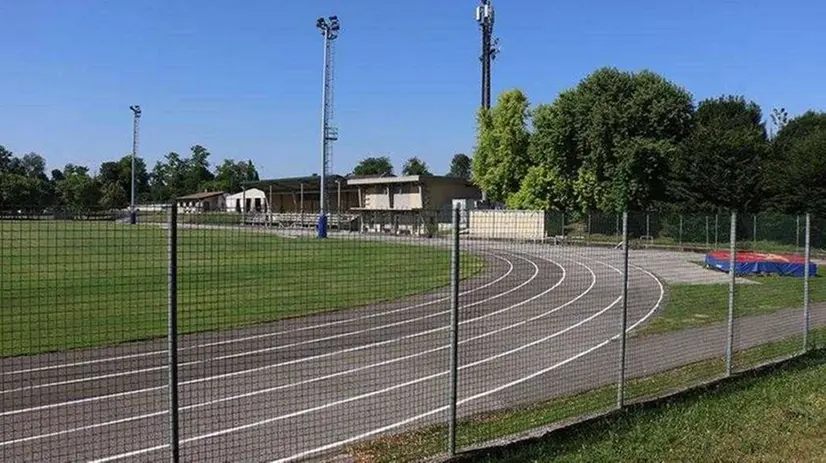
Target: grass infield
{"x": 692, "y": 305}
{"x": 80, "y": 284}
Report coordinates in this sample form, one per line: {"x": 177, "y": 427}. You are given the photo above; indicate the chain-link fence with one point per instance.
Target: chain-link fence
{"x": 218, "y": 337}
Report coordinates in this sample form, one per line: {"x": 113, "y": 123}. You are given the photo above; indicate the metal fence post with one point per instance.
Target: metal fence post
{"x": 754, "y": 232}
{"x": 681, "y": 229}
{"x": 807, "y": 253}
{"x": 648, "y": 226}
{"x": 454, "y": 331}
{"x": 707, "y": 235}
{"x": 716, "y": 231}
{"x": 172, "y": 335}
{"x": 624, "y": 321}
{"x": 732, "y": 277}
{"x": 797, "y": 232}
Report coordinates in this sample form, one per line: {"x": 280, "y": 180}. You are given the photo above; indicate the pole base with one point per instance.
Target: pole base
{"x": 133, "y": 218}
{"x": 322, "y": 226}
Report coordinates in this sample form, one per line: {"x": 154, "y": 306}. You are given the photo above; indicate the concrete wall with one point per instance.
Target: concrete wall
{"x": 507, "y": 224}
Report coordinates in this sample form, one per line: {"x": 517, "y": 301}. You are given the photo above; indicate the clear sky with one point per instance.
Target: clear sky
{"x": 244, "y": 78}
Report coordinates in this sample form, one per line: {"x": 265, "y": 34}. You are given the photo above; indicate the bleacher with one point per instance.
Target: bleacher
{"x": 299, "y": 220}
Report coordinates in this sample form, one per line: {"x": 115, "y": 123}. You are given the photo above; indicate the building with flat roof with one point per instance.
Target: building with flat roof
{"x": 406, "y": 204}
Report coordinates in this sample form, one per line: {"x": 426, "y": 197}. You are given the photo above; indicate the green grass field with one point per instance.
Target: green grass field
{"x": 691, "y": 305}
{"x": 71, "y": 284}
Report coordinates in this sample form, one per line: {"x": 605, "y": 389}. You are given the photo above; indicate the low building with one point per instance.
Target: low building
{"x": 407, "y": 204}
{"x": 251, "y": 200}
{"x": 207, "y": 201}
{"x": 413, "y": 204}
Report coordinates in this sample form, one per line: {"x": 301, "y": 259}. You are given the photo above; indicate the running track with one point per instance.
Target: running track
{"x": 536, "y": 320}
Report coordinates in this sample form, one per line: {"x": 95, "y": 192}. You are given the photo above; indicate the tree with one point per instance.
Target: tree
{"x": 550, "y": 181}
{"x": 378, "y": 166}
{"x": 230, "y": 175}
{"x": 78, "y": 191}
{"x": 167, "y": 178}
{"x": 120, "y": 172}
{"x": 795, "y": 173}
{"x": 5, "y": 159}
{"x": 607, "y": 143}
{"x": 718, "y": 167}
{"x": 460, "y": 166}
{"x": 415, "y": 166}
{"x": 501, "y": 159}
{"x": 197, "y": 172}
{"x": 113, "y": 196}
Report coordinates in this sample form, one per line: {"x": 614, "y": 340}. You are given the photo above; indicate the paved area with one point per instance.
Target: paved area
{"x": 540, "y": 321}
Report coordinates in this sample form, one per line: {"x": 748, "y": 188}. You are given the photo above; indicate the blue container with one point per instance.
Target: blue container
{"x": 322, "y": 226}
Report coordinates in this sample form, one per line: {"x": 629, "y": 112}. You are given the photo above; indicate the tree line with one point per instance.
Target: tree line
{"x": 382, "y": 166}
{"x": 24, "y": 183}
{"x": 624, "y": 140}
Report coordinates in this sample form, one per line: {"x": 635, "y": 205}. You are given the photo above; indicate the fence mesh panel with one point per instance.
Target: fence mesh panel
{"x": 293, "y": 347}
{"x": 82, "y": 322}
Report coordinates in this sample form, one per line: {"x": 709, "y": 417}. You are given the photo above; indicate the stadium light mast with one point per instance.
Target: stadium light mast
{"x": 133, "y": 208}
{"x": 329, "y": 28}
{"x": 490, "y": 47}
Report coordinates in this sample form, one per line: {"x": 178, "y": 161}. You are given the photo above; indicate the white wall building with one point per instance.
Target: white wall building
{"x": 252, "y": 200}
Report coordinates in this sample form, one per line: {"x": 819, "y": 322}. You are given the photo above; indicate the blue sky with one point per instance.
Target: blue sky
{"x": 243, "y": 78}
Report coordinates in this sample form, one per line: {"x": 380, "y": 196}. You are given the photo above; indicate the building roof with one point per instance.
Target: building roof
{"x": 292, "y": 184}
{"x": 203, "y": 195}
{"x": 248, "y": 193}
{"x": 407, "y": 179}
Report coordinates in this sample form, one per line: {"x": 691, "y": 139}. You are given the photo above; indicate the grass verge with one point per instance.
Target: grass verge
{"x": 429, "y": 441}
{"x": 692, "y": 305}
{"x": 779, "y": 416}
{"x": 72, "y": 285}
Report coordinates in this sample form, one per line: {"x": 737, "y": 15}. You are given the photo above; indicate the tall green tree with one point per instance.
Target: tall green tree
{"x": 549, "y": 182}
{"x": 719, "y": 166}
{"x": 120, "y": 173}
{"x": 795, "y": 173}
{"x": 230, "y": 175}
{"x": 415, "y": 166}
{"x": 379, "y": 165}
{"x": 23, "y": 182}
{"x": 501, "y": 159}
{"x": 607, "y": 143}
{"x": 198, "y": 173}
{"x": 78, "y": 191}
{"x": 460, "y": 166}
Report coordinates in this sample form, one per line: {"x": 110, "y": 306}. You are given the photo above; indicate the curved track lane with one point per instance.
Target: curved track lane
{"x": 299, "y": 388}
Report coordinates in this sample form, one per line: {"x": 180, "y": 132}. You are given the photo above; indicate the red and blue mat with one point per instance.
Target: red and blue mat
{"x": 749, "y": 262}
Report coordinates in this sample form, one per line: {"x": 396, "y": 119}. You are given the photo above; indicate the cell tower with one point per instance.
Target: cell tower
{"x": 329, "y": 29}
{"x": 490, "y": 47}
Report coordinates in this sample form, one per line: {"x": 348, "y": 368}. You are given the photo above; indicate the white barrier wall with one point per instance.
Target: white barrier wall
{"x": 507, "y": 224}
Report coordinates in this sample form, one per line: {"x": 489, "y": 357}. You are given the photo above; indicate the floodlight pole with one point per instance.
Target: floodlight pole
{"x": 329, "y": 28}
{"x": 133, "y": 210}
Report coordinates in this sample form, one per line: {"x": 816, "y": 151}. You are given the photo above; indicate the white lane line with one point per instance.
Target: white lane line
{"x": 84, "y": 362}
{"x": 278, "y": 333}
{"x": 276, "y": 365}
{"x": 369, "y": 316}
{"x": 389, "y": 325}
{"x": 286, "y": 386}
{"x": 368, "y": 394}
{"x": 413, "y": 419}
{"x": 303, "y": 359}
